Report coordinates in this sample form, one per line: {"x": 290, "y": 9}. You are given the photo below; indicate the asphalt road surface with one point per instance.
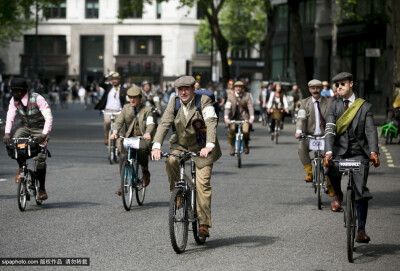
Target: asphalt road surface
{"x": 265, "y": 216}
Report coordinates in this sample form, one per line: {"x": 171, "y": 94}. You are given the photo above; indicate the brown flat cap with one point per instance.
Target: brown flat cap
{"x": 134, "y": 91}
{"x": 238, "y": 83}
{"x": 342, "y": 76}
{"x": 185, "y": 81}
{"x": 315, "y": 83}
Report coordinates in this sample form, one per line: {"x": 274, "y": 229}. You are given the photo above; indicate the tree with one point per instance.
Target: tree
{"x": 16, "y": 17}
{"x": 396, "y": 42}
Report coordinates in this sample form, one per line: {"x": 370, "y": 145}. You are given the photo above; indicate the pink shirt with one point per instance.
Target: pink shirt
{"x": 12, "y": 112}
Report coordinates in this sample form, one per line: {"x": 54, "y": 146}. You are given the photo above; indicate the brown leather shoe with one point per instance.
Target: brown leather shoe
{"x": 17, "y": 176}
{"x": 43, "y": 195}
{"x": 232, "y": 151}
{"x": 203, "y": 231}
{"x": 308, "y": 178}
{"x": 362, "y": 237}
{"x": 105, "y": 141}
{"x": 246, "y": 149}
{"x": 119, "y": 192}
{"x": 146, "y": 178}
{"x": 336, "y": 203}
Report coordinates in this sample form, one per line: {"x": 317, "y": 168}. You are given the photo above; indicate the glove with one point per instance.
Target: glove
{"x": 6, "y": 138}
{"x": 374, "y": 156}
{"x": 327, "y": 163}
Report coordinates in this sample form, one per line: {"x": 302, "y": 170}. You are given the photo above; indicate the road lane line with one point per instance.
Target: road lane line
{"x": 3, "y": 180}
{"x": 389, "y": 158}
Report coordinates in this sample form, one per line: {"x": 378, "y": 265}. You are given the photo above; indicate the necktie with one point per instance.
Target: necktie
{"x": 322, "y": 120}
{"x": 346, "y": 104}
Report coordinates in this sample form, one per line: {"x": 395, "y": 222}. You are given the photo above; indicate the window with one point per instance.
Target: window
{"x": 157, "y": 46}
{"x": 282, "y": 15}
{"x": 307, "y": 11}
{"x": 92, "y": 9}
{"x": 48, "y": 45}
{"x": 158, "y": 10}
{"x": 55, "y": 11}
{"x": 200, "y": 13}
{"x": 131, "y": 11}
{"x": 139, "y": 45}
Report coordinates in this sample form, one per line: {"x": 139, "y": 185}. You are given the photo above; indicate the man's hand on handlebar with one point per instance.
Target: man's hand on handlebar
{"x": 375, "y": 159}
{"x": 147, "y": 136}
{"x": 327, "y": 157}
{"x": 227, "y": 121}
{"x": 251, "y": 121}
{"x": 205, "y": 151}
{"x": 6, "y": 138}
{"x": 156, "y": 154}
{"x": 297, "y": 135}
{"x": 113, "y": 136}
{"x": 42, "y": 138}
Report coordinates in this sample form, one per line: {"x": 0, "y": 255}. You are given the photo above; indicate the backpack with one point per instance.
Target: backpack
{"x": 199, "y": 93}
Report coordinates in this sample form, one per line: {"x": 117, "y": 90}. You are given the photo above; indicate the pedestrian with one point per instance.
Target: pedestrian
{"x": 150, "y": 97}
{"x": 190, "y": 138}
{"x": 82, "y": 94}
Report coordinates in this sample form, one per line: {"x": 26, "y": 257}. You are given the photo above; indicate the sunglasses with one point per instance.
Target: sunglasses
{"x": 342, "y": 84}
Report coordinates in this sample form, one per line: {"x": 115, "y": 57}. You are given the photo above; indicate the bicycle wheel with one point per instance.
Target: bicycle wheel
{"x": 140, "y": 191}
{"x": 110, "y": 149}
{"x": 387, "y": 138}
{"x": 35, "y": 182}
{"x": 126, "y": 186}
{"x": 195, "y": 226}
{"x": 350, "y": 224}
{"x": 239, "y": 142}
{"x": 22, "y": 194}
{"x": 116, "y": 152}
{"x": 318, "y": 184}
{"x": 178, "y": 221}
{"x": 277, "y": 123}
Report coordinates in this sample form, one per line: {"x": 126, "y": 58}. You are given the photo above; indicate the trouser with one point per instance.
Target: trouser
{"x": 107, "y": 121}
{"x": 142, "y": 152}
{"x": 203, "y": 186}
{"x": 40, "y": 159}
{"x": 232, "y": 133}
{"x": 304, "y": 152}
{"x": 362, "y": 193}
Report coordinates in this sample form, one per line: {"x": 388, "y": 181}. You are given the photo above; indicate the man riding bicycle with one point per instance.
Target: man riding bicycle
{"x": 150, "y": 97}
{"x": 138, "y": 121}
{"x": 311, "y": 120}
{"x": 36, "y": 120}
{"x": 189, "y": 136}
{"x": 239, "y": 107}
{"x": 350, "y": 133}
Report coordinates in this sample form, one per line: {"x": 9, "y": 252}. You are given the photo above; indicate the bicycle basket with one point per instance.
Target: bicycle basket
{"x": 276, "y": 114}
{"x": 23, "y": 148}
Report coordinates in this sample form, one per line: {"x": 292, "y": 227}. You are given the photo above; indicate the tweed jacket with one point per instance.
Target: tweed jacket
{"x": 362, "y": 125}
{"x": 231, "y": 106}
{"x": 307, "y": 124}
{"x": 151, "y": 100}
{"x": 185, "y": 138}
{"x": 128, "y": 118}
{"x": 107, "y": 87}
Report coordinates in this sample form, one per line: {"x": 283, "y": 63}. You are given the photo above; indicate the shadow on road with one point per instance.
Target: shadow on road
{"x": 372, "y": 252}
{"x": 8, "y": 196}
{"x": 68, "y": 204}
{"x": 149, "y": 205}
{"x": 251, "y": 165}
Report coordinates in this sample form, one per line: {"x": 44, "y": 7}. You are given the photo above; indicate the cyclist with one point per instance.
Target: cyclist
{"x": 188, "y": 137}
{"x": 326, "y": 91}
{"x": 263, "y": 98}
{"x": 350, "y": 133}
{"x": 277, "y": 100}
{"x": 311, "y": 120}
{"x": 150, "y": 97}
{"x": 36, "y": 120}
{"x": 113, "y": 99}
{"x": 138, "y": 121}
{"x": 239, "y": 107}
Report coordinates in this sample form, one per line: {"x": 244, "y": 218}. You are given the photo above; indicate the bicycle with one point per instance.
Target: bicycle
{"x": 132, "y": 178}
{"x": 277, "y": 116}
{"x": 239, "y": 140}
{"x": 112, "y": 150}
{"x": 390, "y": 131}
{"x": 182, "y": 206}
{"x": 348, "y": 166}
{"x": 28, "y": 183}
{"x": 316, "y": 144}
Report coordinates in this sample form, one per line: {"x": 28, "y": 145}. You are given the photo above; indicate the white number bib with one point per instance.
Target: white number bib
{"x": 131, "y": 143}
{"x": 317, "y": 144}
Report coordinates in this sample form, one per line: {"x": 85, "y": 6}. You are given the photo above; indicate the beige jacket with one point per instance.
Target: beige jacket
{"x": 306, "y": 120}
{"x": 231, "y": 106}
{"x": 185, "y": 138}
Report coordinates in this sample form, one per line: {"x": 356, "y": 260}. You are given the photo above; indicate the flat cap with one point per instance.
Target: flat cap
{"x": 185, "y": 81}
{"x": 315, "y": 83}
{"x": 115, "y": 75}
{"x": 342, "y": 76}
{"x": 238, "y": 83}
{"x": 19, "y": 83}
{"x": 145, "y": 83}
{"x": 134, "y": 91}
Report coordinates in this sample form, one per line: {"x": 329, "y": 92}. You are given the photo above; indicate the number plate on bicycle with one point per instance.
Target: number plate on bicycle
{"x": 347, "y": 164}
{"x": 131, "y": 143}
{"x": 317, "y": 144}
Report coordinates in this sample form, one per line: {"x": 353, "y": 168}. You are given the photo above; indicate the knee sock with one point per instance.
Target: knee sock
{"x": 41, "y": 175}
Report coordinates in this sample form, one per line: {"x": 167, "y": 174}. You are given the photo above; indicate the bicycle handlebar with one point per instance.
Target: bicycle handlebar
{"x": 304, "y": 137}
{"x": 139, "y": 137}
{"x": 31, "y": 137}
{"x": 110, "y": 113}
{"x": 181, "y": 155}
{"x": 238, "y": 121}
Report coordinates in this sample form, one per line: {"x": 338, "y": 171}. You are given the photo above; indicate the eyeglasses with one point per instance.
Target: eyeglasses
{"x": 342, "y": 84}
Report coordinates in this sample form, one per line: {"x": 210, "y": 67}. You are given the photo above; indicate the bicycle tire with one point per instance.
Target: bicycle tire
{"x": 110, "y": 148}
{"x": 350, "y": 224}
{"x": 239, "y": 148}
{"x": 116, "y": 152}
{"x": 276, "y": 131}
{"x": 387, "y": 138}
{"x": 37, "y": 188}
{"x": 314, "y": 175}
{"x": 126, "y": 186}
{"x": 195, "y": 226}
{"x": 140, "y": 191}
{"x": 318, "y": 185}
{"x": 22, "y": 197}
{"x": 178, "y": 221}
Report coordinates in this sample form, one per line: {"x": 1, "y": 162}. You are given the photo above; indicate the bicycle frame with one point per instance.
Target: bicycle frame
{"x": 239, "y": 135}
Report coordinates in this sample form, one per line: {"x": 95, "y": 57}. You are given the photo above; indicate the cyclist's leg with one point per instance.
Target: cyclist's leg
{"x": 40, "y": 164}
{"x": 203, "y": 196}
{"x": 246, "y": 134}
{"x": 143, "y": 160}
{"x": 20, "y": 131}
{"x": 272, "y": 127}
{"x": 107, "y": 125}
{"x": 304, "y": 154}
{"x": 172, "y": 167}
{"x": 231, "y": 137}
{"x": 335, "y": 177}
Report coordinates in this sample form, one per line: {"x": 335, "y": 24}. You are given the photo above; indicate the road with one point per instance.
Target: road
{"x": 264, "y": 215}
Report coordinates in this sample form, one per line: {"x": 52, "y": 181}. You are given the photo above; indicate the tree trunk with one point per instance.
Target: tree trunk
{"x": 396, "y": 42}
{"x": 270, "y": 33}
{"x": 297, "y": 46}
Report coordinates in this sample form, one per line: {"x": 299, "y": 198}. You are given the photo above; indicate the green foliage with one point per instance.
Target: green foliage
{"x": 16, "y": 16}
{"x": 203, "y": 37}
{"x": 366, "y": 11}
